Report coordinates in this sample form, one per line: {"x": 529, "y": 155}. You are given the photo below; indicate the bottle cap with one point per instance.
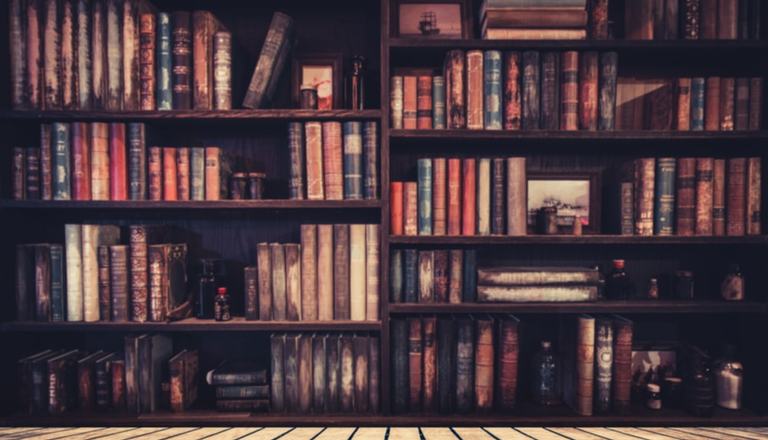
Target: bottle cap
{"x": 221, "y": 291}
{"x": 653, "y": 388}
{"x": 546, "y": 344}
{"x": 673, "y": 379}
{"x": 618, "y": 264}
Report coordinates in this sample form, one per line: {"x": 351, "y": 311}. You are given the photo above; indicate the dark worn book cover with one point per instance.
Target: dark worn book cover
{"x": 531, "y": 109}
{"x": 272, "y": 59}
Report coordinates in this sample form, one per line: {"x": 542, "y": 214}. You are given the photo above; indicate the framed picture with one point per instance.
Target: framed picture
{"x": 574, "y": 194}
{"x": 445, "y": 19}
{"x": 322, "y": 71}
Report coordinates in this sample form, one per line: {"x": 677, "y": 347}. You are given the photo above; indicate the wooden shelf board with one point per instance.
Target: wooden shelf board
{"x": 198, "y": 204}
{"x": 562, "y": 135}
{"x": 632, "y": 306}
{"x": 192, "y": 115}
{"x": 397, "y": 44}
{"x": 238, "y": 324}
{"x": 505, "y": 240}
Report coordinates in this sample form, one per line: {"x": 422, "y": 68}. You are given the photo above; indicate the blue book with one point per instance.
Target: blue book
{"x": 492, "y": 89}
{"x": 469, "y": 287}
{"x": 57, "y": 283}
{"x": 137, "y": 162}
{"x": 197, "y": 173}
{"x": 438, "y": 102}
{"x": 371, "y": 145}
{"x": 424, "y": 182}
{"x": 353, "y": 161}
{"x": 60, "y": 161}
{"x": 396, "y": 276}
{"x": 698, "y": 89}
{"x": 411, "y": 275}
{"x": 664, "y": 199}
{"x": 164, "y": 65}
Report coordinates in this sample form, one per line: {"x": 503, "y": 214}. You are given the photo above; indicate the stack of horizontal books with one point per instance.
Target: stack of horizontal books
{"x": 533, "y": 19}
{"x": 240, "y": 386}
{"x": 537, "y": 284}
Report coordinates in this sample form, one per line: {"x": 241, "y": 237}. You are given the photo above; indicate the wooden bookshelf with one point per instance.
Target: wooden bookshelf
{"x": 505, "y": 240}
{"x": 629, "y": 306}
{"x": 312, "y": 205}
{"x": 194, "y": 115}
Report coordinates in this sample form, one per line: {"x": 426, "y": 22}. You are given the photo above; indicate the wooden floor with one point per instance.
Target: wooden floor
{"x": 223, "y": 433}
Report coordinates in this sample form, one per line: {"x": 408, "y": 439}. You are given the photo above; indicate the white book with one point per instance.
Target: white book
{"x": 74, "y": 267}
{"x": 484, "y": 196}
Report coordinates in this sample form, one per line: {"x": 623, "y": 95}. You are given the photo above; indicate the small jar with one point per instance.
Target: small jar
{"x": 548, "y": 220}
{"x": 308, "y": 97}
{"x": 653, "y": 289}
{"x": 256, "y": 185}
{"x": 732, "y": 288}
{"x": 653, "y": 396}
{"x": 237, "y": 185}
{"x": 577, "y": 225}
{"x": 221, "y": 307}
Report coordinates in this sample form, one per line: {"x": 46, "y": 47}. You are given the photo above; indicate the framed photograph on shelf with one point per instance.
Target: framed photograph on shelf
{"x": 322, "y": 71}
{"x": 575, "y": 194}
{"x": 444, "y": 19}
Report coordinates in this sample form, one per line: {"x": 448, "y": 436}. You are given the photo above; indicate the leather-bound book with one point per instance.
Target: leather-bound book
{"x": 130, "y": 46}
{"x": 374, "y": 378}
{"x": 314, "y": 157}
{"x": 727, "y": 103}
{"x": 484, "y": 365}
{"x": 483, "y": 196}
{"x": 333, "y": 172}
{"x": 183, "y": 191}
{"x": 638, "y": 20}
{"x": 105, "y": 282}
{"x": 456, "y": 107}
{"x": 170, "y": 184}
{"x": 454, "y": 196}
{"x": 396, "y": 208}
{"x": 603, "y": 364}
{"x": 683, "y": 120}
{"x": 296, "y": 153}
{"x": 25, "y": 281}
{"x": 204, "y": 26}
{"x": 492, "y": 90}
{"x": 140, "y": 236}
{"x": 347, "y": 383}
{"x": 659, "y": 105}
{"x": 62, "y": 377}
{"x": 506, "y": 372}
{"x": 155, "y": 173}
{"x": 51, "y": 31}
{"x": 621, "y": 377}
{"x": 664, "y": 198}
{"x": 264, "y": 269}
{"x": 341, "y": 271}
{"x": 396, "y": 101}
{"x": 333, "y": 372}
{"x": 607, "y": 80}
{"x": 410, "y": 102}
{"x": 292, "y": 282}
{"x": 212, "y": 173}
{"x": 424, "y": 183}
{"x": 712, "y": 104}
{"x": 272, "y": 59}
{"x": 16, "y": 20}
{"x": 465, "y": 365}
{"x": 137, "y": 162}
{"x": 516, "y": 196}
{"x": 98, "y": 55}
{"x": 251, "y": 292}
{"x": 42, "y": 282}
{"x": 113, "y": 54}
{"x": 440, "y": 268}
{"x": 147, "y": 63}
{"x": 598, "y": 19}
{"x": 33, "y": 39}
{"x": 400, "y": 362}
{"x": 410, "y": 275}
{"x": 753, "y": 190}
{"x": 94, "y": 236}
{"x": 585, "y": 365}
{"x": 550, "y": 91}
{"x": 222, "y": 70}
{"x": 530, "y": 91}
{"x": 181, "y": 44}
{"x": 157, "y": 259}
{"x": 46, "y": 174}
{"x": 100, "y": 166}
{"x": 469, "y": 197}
{"x": 396, "y": 276}
{"x": 755, "y": 19}
{"x": 588, "y": 91}
{"x": 357, "y": 285}
{"x": 439, "y": 196}
{"x": 277, "y": 263}
{"x": 372, "y": 272}
{"x": 86, "y": 381}
{"x": 415, "y": 364}
{"x": 353, "y": 160}
{"x": 31, "y": 174}
{"x": 445, "y": 363}
{"x": 755, "y": 103}
{"x": 325, "y": 268}
{"x": 60, "y": 161}
{"x": 727, "y": 19}
{"x": 291, "y": 372}
{"x": 718, "y": 197}
{"x": 741, "y": 105}
{"x": 686, "y": 196}
{"x": 698, "y": 91}
{"x": 73, "y": 245}
{"x": 455, "y": 278}
{"x": 58, "y": 307}
{"x": 475, "y": 89}
{"x": 424, "y": 102}
{"x": 512, "y": 97}
{"x": 362, "y": 397}
{"x": 497, "y": 196}
{"x": 671, "y": 20}
{"x": 410, "y": 208}
{"x": 118, "y": 166}
{"x": 68, "y": 57}
{"x": 429, "y": 368}
{"x": 318, "y": 373}
{"x": 644, "y": 195}
{"x": 370, "y": 160}
{"x": 736, "y": 196}
{"x": 426, "y": 281}
{"x": 438, "y": 102}
{"x": 690, "y": 17}
{"x": 704, "y": 187}
{"x": 469, "y": 291}
{"x": 304, "y": 360}
{"x": 569, "y": 95}
{"x": 309, "y": 265}
{"x": 19, "y": 182}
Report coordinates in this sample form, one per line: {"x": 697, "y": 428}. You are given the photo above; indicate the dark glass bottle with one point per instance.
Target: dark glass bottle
{"x": 221, "y": 308}
{"x": 357, "y": 83}
{"x": 545, "y": 374}
{"x": 618, "y": 284}
{"x": 206, "y": 290}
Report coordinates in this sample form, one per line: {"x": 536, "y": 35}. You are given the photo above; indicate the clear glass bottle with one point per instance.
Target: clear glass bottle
{"x": 732, "y": 288}
{"x": 618, "y": 284}
{"x": 221, "y": 307}
{"x": 545, "y": 376}
{"x": 206, "y": 290}
{"x": 729, "y": 380}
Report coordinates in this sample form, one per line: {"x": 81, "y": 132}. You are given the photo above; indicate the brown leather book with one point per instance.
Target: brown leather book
{"x": 277, "y": 263}
{"x": 754, "y": 198}
{"x": 588, "y": 90}
{"x": 410, "y": 102}
{"x": 736, "y": 196}
{"x": 727, "y": 19}
{"x": 686, "y": 196}
{"x": 157, "y": 258}
{"x": 374, "y": 380}
{"x": 645, "y": 171}
{"x": 325, "y": 265}
{"x": 68, "y": 61}
{"x": 264, "y": 268}
{"x": 81, "y": 161}
{"x": 170, "y": 184}
{"x": 309, "y": 266}
{"x": 121, "y": 279}
{"x": 469, "y": 194}
{"x": 517, "y": 195}
{"x": 305, "y": 373}
{"x": 204, "y": 26}
{"x": 105, "y": 295}
{"x": 497, "y": 196}
{"x": 251, "y": 292}
{"x": 727, "y": 103}
{"x": 585, "y": 364}
{"x": 638, "y": 20}
{"x": 212, "y": 173}
{"x": 683, "y": 104}
{"x": 512, "y": 97}
{"x": 182, "y": 173}
{"x": 181, "y": 43}
{"x": 19, "y": 173}
{"x": 755, "y": 103}
{"x": 741, "y": 105}
{"x": 362, "y": 385}
{"x": 147, "y": 66}
{"x": 712, "y": 104}
{"x": 341, "y": 308}
{"x": 292, "y": 282}
{"x": 118, "y": 171}
{"x": 456, "y": 278}
{"x": 704, "y": 177}
{"x": 410, "y": 208}
{"x": 429, "y": 326}
{"x": 140, "y": 237}
{"x": 333, "y": 174}
{"x": 598, "y": 19}
{"x": 426, "y": 273}
{"x": 709, "y": 17}
{"x": 439, "y": 198}
{"x": 456, "y": 107}
{"x": 42, "y": 282}
{"x": 622, "y": 364}
{"x": 46, "y": 183}
{"x": 569, "y": 90}
{"x": 424, "y": 102}
{"x": 155, "y": 173}
{"x": 484, "y": 365}
{"x": 506, "y": 373}
{"x": 475, "y": 92}
{"x": 314, "y": 157}
{"x": 440, "y": 271}
{"x": 415, "y": 364}
{"x": 347, "y": 389}
{"x": 718, "y": 198}
{"x": 34, "y": 53}
{"x": 51, "y": 32}
{"x": 454, "y": 196}
{"x": 130, "y": 48}
{"x": 396, "y": 208}
{"x": 100, "y": 177}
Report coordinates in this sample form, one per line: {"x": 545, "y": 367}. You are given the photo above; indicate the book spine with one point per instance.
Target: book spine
{"x": 396, "y": 276}
{"x": 251, "y": 293}
{"x": 569, "y": 102}
{"x": 182, "y": 173}
{"x": 357, "y": 264}
{"x": 704, "y": 192}
{"x": 202, "y": 60}
{"x": 292, "y": 282}
{"x": 741, "y": 106}
{"x": 18, "y": 54}
{"x": 516, "y": 196}
{"x": 622, "y": 367}
{"x": 727, "y": 19}
{"x": 507, "y": 367}
{"x": 155, "y": 173}
{"x": 51, "y": 55}
{"x": 718, "y": 197}
{"x": 396, "y": 208}
{"x": 181, "y": 60}
{"x": 222, "y": 71}
{"x": 607, "y": 82}
{"x": 410, "y": 208}
{"x": 341, "y": 271}
{"x": 372, "y": 272}
{"x": 305, "y": 373}
{"x": 164, "y": 62}
{"x": 19, "y": 164}
{"x": 644, "y": 195}
{"x": 74, "y": 271}
{"x": 61, "y": 161}
{"x": 727, "y": 103}
{"x": 627, "y": 208}
{"x": 519, "y": 294}
{"x": 483, "y": 196}
{"x": 425, "y": 276}
{"x": 68, "y": 55}
{"x": 296, "y": 153}
{"x": 465, "y": 366}
{"x": 691, "y": 19}
{"x": 81, "y": 164}
{"x": 309, "y": 266}
{"x": 157, "y": 260}
{"x": 34, "y": 54}
{"x": 118, "y": 178}
{"x": 530, "y": 90}
{"x": 512, "y": 97}
{"x": 105, "y": 291}
{"x": 754, "y": 198}
{"x": 347, "y": 388}
{"x": 24, "y": 280}
{"x": 147, "y": 62}
{"x": 686, "y": 196}
{"x": 455, "y": 279}
{"x": 130, "y": 47}
{"x": 31, "y": 173}
{"x": 118, "y": 283}
{"x": 139, "y": 272}
{"x": 314, "y": 160}
{"x": 469, "y": 194}
{"x": 550, "y": 91}
{"x": 212, "y": 173}
{"x": 277, "y": 379}
{"x": 683, "y": 104}
{"x": 410, "y": 102}
{"x": 755, "y": 19}
{"x": 497, "y": 196}
{"x": 170, "y": 184}
{"x": 90, "y": 276}
{"x": 360, "y": 344}
{"x": 639, "y": 20}
{"x": 454, "y": 196}
{"x": 99, "y": 140}
{"x": 396, "y": 102}
{"x": 585, "y": 365}
{"x": 598, "y": 19}
{"x": 424, "y": 182}
{"x": 446, "y": 356}
{"x": 272, "y": 58}
{"x": 424, "y": 102}
{"x": 438, "y": 102}
{"x": 475, "y": 89}
{"x": 318, "y": 373}
{"x": 755, "y": 103}
{"x": 370, "y": 152}
{"x": 698, "y": 91}
{"x": 410, "y": 275}
{"x": 440, "y": 275}
{"x": 137, "y": 162}
{"x": 197, "y": 173}
{"x": 712, "y": 104}
{"x": 664, "y": 199}
{"x": 42, "y": 283}
{"x": 98, "y": 58}
{"x": 58, "y": 308}
{"x": 469, "y": 291}
{"x": 439, "y": 200}
{"x": 456, "y": 106}
{"x": 736, "y": 196}
{"x": 264, "y": 268}
{"x": 400, "y": 362}
{"x": 429, "y": 364}
{"x": 277, "y": 263}
{"x": 46, "y": 171}
{"x": 114, "y": 57}
{"x": 415, "y": 364}
{"x": 484, "y": 362}
{"x": 291, "y": 373}
{"x": 353, "y": 161}
{"x": 374, "y": 379}
{"x": 603, "y": 365}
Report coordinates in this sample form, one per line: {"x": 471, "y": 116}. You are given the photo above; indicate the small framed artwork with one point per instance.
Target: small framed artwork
{"x": 576, "y": 195}
{"x": 445, "y": 19}
{"x": 322, "y": 71}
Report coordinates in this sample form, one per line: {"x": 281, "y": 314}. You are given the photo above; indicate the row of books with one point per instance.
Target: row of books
{"x": 240, "y": 386}
{"x": 93, "y": 277}
{"x": 332, "y": 274}
{"x": 333, "y": 160}
{"x": 692, "y": 19}
{"x": 110, "y": 161}
{"x": 456, "y": 196}
{"x": 432, "y": 276}
{"x": 713, "y": 103}
{"x": 692, "y": 196}
{"x": 117, "y": 55}
{"x": 325, "y": 373}
{"x": 534, "y": 20}
{"x": 496, "y": 90}
{"x": 471, "y": 364}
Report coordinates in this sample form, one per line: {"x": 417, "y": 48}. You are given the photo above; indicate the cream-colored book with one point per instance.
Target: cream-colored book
{"x": 325, "y": 272}
{"x": 292, "y": 282}
{"x": 484, "y": 196}
{"x": 309, "y": 272}
{"x": 74, "y": 260}
{"x": 357, "y": 286}
{"x": 372, "y": 272}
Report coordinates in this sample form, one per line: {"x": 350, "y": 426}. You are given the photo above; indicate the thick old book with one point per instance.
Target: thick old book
{"x": 213, "y": 173}
{"x": 137, "y": 162}
{"x": 155, "y": 173}
{"x": 438, "y": 102}
{"x": 627, "y": 208}
{"x": 73, "y": 246}
{"x": 181, "y": 72}
{"x": 34, "y": 54}
{"x": 361, "y": 385}
{"x": 550, "y": 91}
{"x": 183, "y": 369}
{"x": 585, "y": 365}
{"x": 164, "y": 62}
{"x": 698, "y": 92}
{"x": 410, "y": 275}
{"x": 264, "y": 268}
{"x": 410, "y": 102}
{"x": 741, "y": 105}
{"x": 664, "y": 197}
{"x": 357, "y": 265}
{"x": 140, "y": 236}
{"x": 727, "y": 19}
{"x": 484, "y": 365}
{"x": 396, "y": 101}
{"x": 475, "y": 89}
{"x": 469, "y": 284}
{"x": 57, "y": 272}
{"x": 113, "y": 54}
{"x": 60, "y": 161}
{"x": 81, "y": 163}
{"x": 603, "y": 364}
{"x": 18, "y": 173}
{"x": 469, "y": 197}
{"x": 341, "y": 271}
{"x": 440, "y": 268}
{"x": 314, "y": 160}
{"x": 644, "y": 185}
{"x": 755, "y": 103}
{"x": 347, "y": 375}
{"x": 569, "y": 94}
{"x": 536, "y": 276}
{"x": 333, "y": 160}
{"x": 32, "y": 174}
{"x": 425, "y": 276}
{"x": 272, "y": 59}
{"x": 534, "y": 34}
{"x": 46, "y": 172}
{"x": 251, "y": 293}
{"x": 497, "y": 196}
{"x": 370, "y": 162}
{"x": 704, "y": 193}
{"x": 222, "y": 70}
{"x": 639, "y": 20}
{"x": 439, "y": 196}
{"x": 148, "y": 37}
{"x": 455, "y": 278}
{"x": 374, "y": 378}
{"x": 512, "y": 96}
{"x": 753, "y": 190}
{"x": 454, "y": 197}
{"x": 296, "y": 153}
{"x": 410, "y": 208}
{"x": 727, "y": 103}
{"x": 247, "y": 405}
{"x": 292, "y": 282}
{"x": 531, "y": 109}
{"x": 607, "y": 93}
{"x": 718, "y": 197}
{"x": 42, "y": 282}
{"x": 309, "y": 265}
{"x": 396, "y": 276}
{"x": 456, "y": 106}
{"x": 325, "y": 275}
{"x": 183, "y": 191}
{"x": 100, "y": 172}
{"x": 118, "y": 166}
{"x": 400, "y": 363}
{"x": 712, "y": 105}
{"x": 517, "y": 193}
{"x": 424, "y": 182}
{"x": 372, "y": 272}
{"x": 353, "y": 160}
{"x": 52, "y": 66}
{"x": 94, "y": 236}
{"x": 157, "y": 260}
{"x": 465, "y": 365}
{"x": 483, "y": 196}
{"x": 507, "y": 370}
{"x": 621, "y": 376}
{"x": 279, "y": 293}
{"x": 423, "y": 102}
{"x": 319, "y": 375}
{"x": 237, "y": 373}
{"x": 16, "y": 19}
{"x": 277, "y": 372}
{"x": 130, "y": 46}
{"x": 415, "y": 364}
{"x": 429, "y": 366}
{"x": 304, "y": 360}
{"x": 690, "y": 19}
{"x": 736, "y": 196}
{"x": 683, "y": 120}
{"x": 686, "y": 196}
{"x": 536, "y": 293}
{"x": 204, "y": 26}
{"x": 118, "y": 296}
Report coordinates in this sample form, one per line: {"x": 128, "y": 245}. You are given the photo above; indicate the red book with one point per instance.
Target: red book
{"x": 588, "y": 68}
{"x": 81, "y": 162}
{"x": 712, "y": 104}
{"x": 727, "y": 103}
{"x": 396, "y": 208}
{"x": 424, "y": 103}
{"x": 439, "y": 221}
{"x": 469, "y": 188}
{"x": 99, "y": 161}
{"x": 332, "y": 161}
{"x": 454, "y": 196}
{"x": 155, "y": 173}
{"x": 118, "y": 175}
{"x": 170, "y": 184}
{"x": 569, "y": 94}
{"x": 410, "y": 208}
{"x": 409, "y": 102}
{"x": 735, "y": 196}
{"x": 415, "y": 353}
{"x": 753, "y": 195}
{"x": 512, "y": 106}
{"x": 718, "y": 198}
{"x": 182, "y": 173}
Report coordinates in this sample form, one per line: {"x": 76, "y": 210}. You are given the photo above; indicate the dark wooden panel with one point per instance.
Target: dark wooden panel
{"x": 640, "y": 306}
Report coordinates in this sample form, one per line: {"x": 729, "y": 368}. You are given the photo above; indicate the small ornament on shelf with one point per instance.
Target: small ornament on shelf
{"x": 732, "y": 288}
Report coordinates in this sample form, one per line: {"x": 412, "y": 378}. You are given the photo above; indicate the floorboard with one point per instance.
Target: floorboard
{"x": 506, "y": 434}
{"x": 736, "y": 433}
{"x": 575, "y": 434}
{"x": 370, "y": 434}
{"x": 301, "y": 434}
{"x": 267, "y": 434}
{"x": 472, "y": 434}
{"x": 403, "y": 434}
{"x": 437, "y": 434}
{"x": 608, "y": 434}
{"x": 541, "y": 434}
{"x": 335, "y": 434}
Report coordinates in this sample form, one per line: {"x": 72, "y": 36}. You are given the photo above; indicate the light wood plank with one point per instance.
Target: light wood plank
{"x": 575, "y": 434}
{"x": 540, "y": 434}
{"x": 133, "y": 433}
{"x": 403, "y": 434}
{"x": 506, "y": 433}
{"x": 471, "y": 433}
{"x": 40, "y": 431}
{"x": 301, "y": 434}
{"x": 100, "y": 433}
{"x": 754, "y": 429}
{"x": 736, "y": 433}
{"x": 164, "y": 434}
{"x": 438, "y": 434}
{"x": 58, "y": 433}
{"x": 678, "y": 435}
{"x": 336, "y": 433}
{"x": 641, "y": 434}
{"x": 17, "y": 430}
{"x": 232, "y": 434}
{"x": 607, "y": 433}
{"x": 266, "y": 433}
{"x": 370, "y": 434}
